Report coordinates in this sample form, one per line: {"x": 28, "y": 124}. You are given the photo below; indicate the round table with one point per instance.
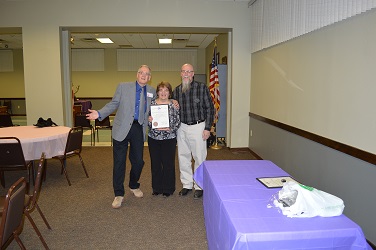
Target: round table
{"x": 34, "y": 140}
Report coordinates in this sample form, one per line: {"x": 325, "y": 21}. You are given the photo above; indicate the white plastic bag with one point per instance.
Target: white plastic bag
{"x": 297, "y": 200}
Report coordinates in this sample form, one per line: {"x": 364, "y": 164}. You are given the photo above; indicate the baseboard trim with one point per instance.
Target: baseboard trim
{"x": 346, "y": 149}
{"x": 371, "y": 244}
{"x": 255, "y": 155}
{"x": 248, "y": 150}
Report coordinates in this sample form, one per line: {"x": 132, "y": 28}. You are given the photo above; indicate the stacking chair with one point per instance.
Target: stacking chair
{"x": 5, "y": 120}
{"x": 81, "y": 121}
{"x": 72, "y": 148}
{"x": 12, "y": 158}
{"x": 31, "y": 200}
{"x": 104, "y": 124}
{"x": 11, "y": 218}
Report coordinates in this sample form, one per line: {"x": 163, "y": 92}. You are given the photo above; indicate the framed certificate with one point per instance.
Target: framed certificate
{"x": 160, "y": 116}
{"x": 275, "y": 182}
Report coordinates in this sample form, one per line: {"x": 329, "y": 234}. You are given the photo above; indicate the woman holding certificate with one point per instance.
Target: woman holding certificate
{"x": 164, "y": 123}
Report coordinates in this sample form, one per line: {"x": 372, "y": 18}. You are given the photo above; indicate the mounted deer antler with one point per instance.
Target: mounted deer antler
{"x": 77, "y": 89}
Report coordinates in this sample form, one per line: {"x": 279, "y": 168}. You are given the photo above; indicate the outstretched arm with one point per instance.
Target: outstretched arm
{"x": 92, "y": 115}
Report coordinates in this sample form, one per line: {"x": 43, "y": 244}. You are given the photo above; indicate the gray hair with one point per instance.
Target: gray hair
{"x": 145, "y": 66}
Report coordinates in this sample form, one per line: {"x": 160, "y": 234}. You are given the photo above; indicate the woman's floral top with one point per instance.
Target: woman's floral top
{"x": 174, "y": 120}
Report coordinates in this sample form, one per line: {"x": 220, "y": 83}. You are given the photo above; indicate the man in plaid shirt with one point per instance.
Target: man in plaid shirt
{"x": 196, "y": 116}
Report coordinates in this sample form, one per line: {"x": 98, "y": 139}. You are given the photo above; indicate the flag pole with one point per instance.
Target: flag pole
{"x": 216, "y": 146}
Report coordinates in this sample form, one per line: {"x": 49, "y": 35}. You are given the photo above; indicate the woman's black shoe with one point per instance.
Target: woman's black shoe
{"x": 155, "y": 193}
{"x": 166, "y": 195}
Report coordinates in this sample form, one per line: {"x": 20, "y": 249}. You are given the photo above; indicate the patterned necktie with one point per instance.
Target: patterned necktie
{"x": 141, "y": 112}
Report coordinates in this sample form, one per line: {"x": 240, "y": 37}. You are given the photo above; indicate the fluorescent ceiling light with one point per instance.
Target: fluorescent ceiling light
{"x": 165, "y": 41}
{"x": 105, "y": 40}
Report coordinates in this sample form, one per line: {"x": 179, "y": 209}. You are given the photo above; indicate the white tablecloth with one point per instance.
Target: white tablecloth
{"x": 34, "y": 140}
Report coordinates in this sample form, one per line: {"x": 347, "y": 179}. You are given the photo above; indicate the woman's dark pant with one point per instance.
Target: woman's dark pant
{"x": 162, "y": 155}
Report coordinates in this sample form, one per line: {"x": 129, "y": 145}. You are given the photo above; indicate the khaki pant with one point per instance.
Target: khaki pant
{"x": 190, "y": 144}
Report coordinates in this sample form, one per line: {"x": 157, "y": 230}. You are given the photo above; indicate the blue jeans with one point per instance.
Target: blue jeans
{"x": 135, "y": 139}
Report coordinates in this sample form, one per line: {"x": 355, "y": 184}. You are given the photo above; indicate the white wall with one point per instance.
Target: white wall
{"x": 41, "y": 22}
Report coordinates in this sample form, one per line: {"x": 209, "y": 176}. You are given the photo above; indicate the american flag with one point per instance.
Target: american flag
{"x": 214, "y": 84}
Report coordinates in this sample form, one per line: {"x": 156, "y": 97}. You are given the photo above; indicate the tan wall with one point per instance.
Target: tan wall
{"x": 103, "y": 84}
{"x": 323, "y": 82}
{"x": 12, "y": 83}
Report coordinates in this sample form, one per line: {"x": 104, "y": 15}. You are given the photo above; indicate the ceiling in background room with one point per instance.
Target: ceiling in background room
{"x": 143, "y": 40}
{"x": 10, "y": 41}
{"x": 124, "y": 40}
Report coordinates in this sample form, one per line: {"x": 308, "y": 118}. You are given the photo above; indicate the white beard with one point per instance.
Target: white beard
{"x": 185, "y": 85}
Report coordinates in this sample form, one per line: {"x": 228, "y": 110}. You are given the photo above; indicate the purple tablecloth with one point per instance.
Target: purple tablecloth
{"x": 237, "y": 217}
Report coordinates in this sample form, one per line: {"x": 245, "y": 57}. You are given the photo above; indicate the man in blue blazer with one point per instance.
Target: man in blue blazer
{"x": 132, "y": 102}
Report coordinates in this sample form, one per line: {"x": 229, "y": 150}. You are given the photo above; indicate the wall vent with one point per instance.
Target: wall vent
{"x": 125, "y": 46}
{"x": 89, "y": 39}
{"x": 180, "y": 40}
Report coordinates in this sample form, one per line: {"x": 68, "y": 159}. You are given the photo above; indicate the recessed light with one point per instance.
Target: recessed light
{"x": 165, "y": 41}
{"x": 105, "y": 40}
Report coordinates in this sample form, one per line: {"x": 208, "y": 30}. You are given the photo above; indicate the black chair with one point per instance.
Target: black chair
{"x": 104, "y": 124}
{"x": 11, "y": 218}
{"x": 72, "y": 148}
{"x": 81, "y": 121}
{"x": 12, "y": 158}
{"x": 5, "y": 120}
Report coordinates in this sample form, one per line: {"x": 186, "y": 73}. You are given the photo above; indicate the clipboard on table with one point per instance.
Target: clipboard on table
{"x": 275, "y": 181}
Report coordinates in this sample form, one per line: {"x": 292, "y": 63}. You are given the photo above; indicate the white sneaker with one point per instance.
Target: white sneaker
{"x": 137, "y": 192}
{"x": 117, "y": 201}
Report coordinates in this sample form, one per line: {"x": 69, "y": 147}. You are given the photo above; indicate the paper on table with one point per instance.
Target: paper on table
{"x": 160, "y": 116}
{"x": 275, "y": 182}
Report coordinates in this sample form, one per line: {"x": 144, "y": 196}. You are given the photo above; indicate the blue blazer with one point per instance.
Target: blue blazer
{"x": 124, "y": 102}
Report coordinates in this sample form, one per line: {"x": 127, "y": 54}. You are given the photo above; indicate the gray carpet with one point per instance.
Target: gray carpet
{"x": 81, "y": 215}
